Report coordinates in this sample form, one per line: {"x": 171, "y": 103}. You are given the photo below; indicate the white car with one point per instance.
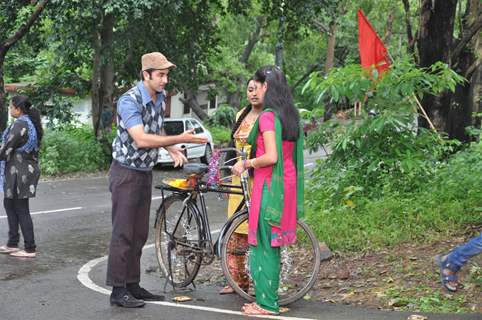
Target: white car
{"x": 174, "y": 126}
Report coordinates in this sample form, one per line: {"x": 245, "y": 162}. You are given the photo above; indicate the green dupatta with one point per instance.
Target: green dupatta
{"x": 275, "y": 193}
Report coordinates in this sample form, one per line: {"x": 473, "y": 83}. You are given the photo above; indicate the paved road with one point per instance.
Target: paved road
{"x": 66, "y": 280}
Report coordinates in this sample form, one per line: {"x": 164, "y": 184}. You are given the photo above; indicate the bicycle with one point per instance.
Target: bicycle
{"x": 183, "y": 237}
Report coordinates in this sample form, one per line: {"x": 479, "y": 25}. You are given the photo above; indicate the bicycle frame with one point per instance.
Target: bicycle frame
{"x": 194, "y": 204}
{"x": 192, "y": 197}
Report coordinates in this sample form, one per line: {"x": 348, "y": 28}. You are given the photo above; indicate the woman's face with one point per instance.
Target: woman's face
{"x": 14, "y": 111}
{"x": 255, "y": 93}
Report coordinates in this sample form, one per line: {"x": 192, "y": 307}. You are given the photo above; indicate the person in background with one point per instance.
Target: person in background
{"x": 20, "y": 173}
{"x": 245, "y": 120}
{"x": 278, "y": 186}
{"x": 140, "y": 117}
{"x": 452, "y": 262}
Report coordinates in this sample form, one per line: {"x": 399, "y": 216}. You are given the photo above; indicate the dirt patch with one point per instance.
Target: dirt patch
{"x": 402, "y": 278}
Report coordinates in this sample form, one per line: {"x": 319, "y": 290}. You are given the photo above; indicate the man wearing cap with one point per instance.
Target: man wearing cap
{"x": 140, "y": 115}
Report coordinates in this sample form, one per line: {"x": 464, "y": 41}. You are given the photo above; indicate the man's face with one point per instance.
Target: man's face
{"x": 157, "y": 80}
{"x": 255, "y": 92}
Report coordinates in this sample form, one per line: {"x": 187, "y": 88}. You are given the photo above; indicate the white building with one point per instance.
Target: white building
{"x": 174, "y": 107}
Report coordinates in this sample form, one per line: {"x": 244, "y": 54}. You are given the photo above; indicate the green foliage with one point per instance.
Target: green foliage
{"x": 224, "y": 116}
{"x": 424, "y": 299}
{"x": 348, "y": 217}
{"x": 395, "y": 90}
{"x": 221, "y": 135}
{"x": 69, "y": 149}
{"x": 385, "y": 179}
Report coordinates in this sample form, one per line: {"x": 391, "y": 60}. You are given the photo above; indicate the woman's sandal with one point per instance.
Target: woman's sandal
{"x": 448, "y": 278}
{"x": 226, "y": 290}
{"x": 253, "y": 309}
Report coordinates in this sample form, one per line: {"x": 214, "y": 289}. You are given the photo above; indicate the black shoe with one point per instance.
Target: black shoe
{"x": 140, "y": 293}
{"x": 125, "y": 299}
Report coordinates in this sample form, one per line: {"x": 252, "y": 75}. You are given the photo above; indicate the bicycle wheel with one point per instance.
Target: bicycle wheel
{"x": 300, "y": 263}
{"x": 178, "y": 237}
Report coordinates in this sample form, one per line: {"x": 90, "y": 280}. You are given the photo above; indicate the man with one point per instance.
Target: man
{"x": 135, "y": 150}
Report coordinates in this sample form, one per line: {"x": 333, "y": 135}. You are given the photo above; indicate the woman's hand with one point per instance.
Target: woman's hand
{"x": 238, "y": 168}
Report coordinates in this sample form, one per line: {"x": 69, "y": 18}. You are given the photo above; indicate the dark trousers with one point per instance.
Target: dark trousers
{"x": 18, "y": 214}
{"x": 131, "y": 202}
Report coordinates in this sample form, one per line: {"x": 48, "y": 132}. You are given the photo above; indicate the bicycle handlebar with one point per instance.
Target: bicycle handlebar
{"x": 240, "y": 153}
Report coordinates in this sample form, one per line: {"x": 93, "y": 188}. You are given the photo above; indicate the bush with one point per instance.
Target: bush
{"x": 388, "y": 181}
{"x": 67, "y": 150}
{"x": 444, "y": 201}
{"x": 220, "y": 134}
{"x": 224, "y": 116}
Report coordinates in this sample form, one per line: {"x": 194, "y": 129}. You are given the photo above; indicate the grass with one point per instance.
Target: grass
{"x": 449, "y": 202}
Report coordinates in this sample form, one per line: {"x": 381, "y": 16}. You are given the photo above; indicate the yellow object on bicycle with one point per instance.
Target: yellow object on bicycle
{"x": 177, "y": 183}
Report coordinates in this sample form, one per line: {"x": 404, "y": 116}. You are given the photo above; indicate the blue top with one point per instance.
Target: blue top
{"x": 129, "y": 110}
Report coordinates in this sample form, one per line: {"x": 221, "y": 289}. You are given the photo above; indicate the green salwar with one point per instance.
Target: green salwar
{"x": 265, "y": 263}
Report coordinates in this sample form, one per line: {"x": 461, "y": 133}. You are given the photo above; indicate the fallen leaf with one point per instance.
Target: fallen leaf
{"x": 283, "y": 309}
{"x": 417, "y": 317}
{"x": 182, "y": 298}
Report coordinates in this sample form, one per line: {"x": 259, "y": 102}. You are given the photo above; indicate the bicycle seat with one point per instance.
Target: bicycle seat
{"x": 195, "y": 168}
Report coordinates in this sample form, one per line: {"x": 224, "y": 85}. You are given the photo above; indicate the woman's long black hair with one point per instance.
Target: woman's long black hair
{"x": 279, "y": 98}
{"x": 22, "y": 103}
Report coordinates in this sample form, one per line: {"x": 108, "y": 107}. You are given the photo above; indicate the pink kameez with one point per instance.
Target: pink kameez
{"x": 285, "y": 233}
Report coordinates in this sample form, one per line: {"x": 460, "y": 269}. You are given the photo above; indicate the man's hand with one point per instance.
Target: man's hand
{"x": 189, "y": 137}
{"x": 177, "y": 155}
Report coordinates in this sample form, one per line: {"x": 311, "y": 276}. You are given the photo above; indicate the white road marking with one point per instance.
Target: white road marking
{"x": 50, "y": 211}
{"x": 83, "y": 277}
{"x": 65, "y": 209}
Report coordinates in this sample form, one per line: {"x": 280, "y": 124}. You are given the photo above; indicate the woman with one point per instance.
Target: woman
{"x": 245, "y": 120}
{"x": 277, "y": 197}
{"x": 20, "y": 172}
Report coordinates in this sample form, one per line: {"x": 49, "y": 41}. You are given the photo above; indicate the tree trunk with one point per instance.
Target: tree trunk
{"x": 330, "y": 49}
{"x": 234, "y": 99}
{"x": 467, "y": 95}
{"x": 191, "y": 102}
{"x": 278, "y": 54}
{"x": 434, "y": 44}
{"x": 408, "y": 26}
{"x": 95, "y": 82}
{"x": 103, "y": 78}
{"x": 3, "y": 105}
{"x": 107, "y": 76}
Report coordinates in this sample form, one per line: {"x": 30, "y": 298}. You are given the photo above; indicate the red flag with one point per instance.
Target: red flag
{"x": 372, "y": 49}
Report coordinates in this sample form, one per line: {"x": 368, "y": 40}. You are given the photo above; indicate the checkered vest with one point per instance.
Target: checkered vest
{"x": 124, "y": 149}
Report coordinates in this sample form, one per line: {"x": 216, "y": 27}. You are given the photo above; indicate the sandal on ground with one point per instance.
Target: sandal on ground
{"x": 226, "y": 290}
{"x": 449, "y": 280}
{"x": 253, "y": 309}
{"x": 8, "y": 250}
{"x": 23, "y": 254}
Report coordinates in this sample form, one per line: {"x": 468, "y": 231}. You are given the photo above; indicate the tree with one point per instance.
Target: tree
{"x": 14, "y": 27}
{"x": 113, "y": 34}
{"x": 436, "y": 41}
